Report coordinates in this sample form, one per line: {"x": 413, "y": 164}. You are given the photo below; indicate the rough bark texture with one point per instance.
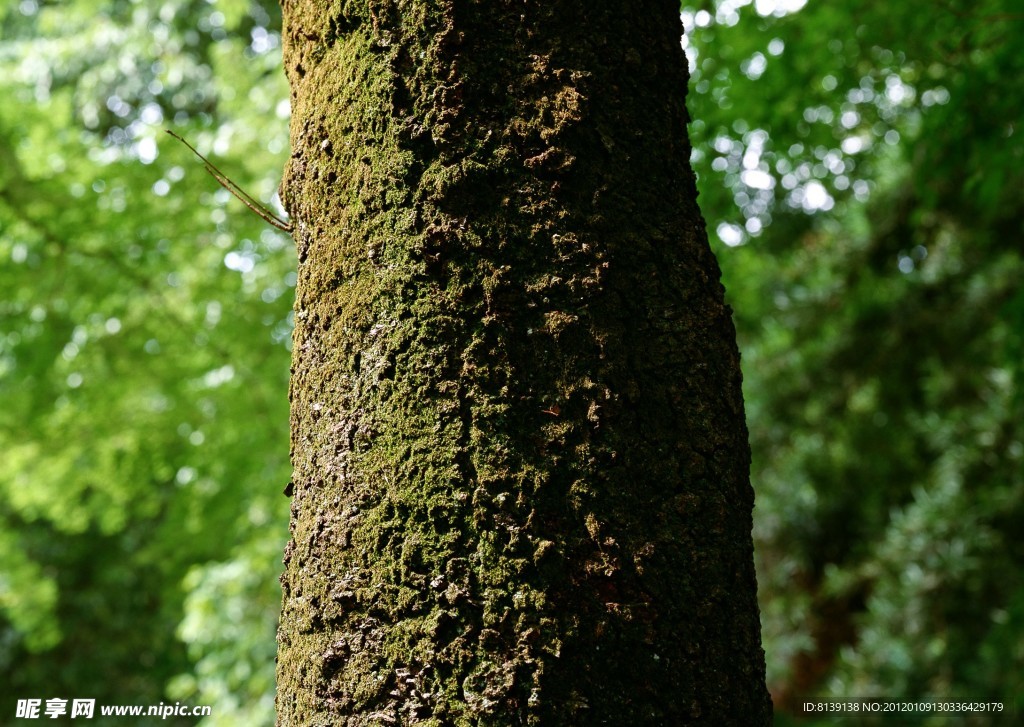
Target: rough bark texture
{"x": 521, "y": 490}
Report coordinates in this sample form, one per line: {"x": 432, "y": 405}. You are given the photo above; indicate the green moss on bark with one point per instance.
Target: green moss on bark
{"x": 521, "y": 472}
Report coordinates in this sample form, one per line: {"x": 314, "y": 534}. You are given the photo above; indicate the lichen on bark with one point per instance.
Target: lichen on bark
{"x": 520, "y": 490}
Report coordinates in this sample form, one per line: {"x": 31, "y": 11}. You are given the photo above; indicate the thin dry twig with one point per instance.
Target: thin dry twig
{"x": 237, "y": 191}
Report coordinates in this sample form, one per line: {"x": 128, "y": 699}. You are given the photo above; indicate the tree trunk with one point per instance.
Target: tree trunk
{"x": 521, "y": 489}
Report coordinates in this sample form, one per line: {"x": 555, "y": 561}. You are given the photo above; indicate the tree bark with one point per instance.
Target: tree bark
{"x": 521, "y": 474}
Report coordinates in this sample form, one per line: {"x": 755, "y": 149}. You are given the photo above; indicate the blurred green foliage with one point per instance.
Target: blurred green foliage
{"x": 863, "y": 167}
{"x": 144, "y": 333}
{"x": 860, "y": 168}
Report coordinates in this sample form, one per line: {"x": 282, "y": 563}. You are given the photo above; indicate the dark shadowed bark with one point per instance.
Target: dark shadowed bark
{"x": 521, "y": 490}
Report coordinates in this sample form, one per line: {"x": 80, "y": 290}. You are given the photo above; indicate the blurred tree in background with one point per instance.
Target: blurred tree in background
{"x": 862, "y": 165}
{"x": 864, "y": 161}
{"x": 144, "y": 331}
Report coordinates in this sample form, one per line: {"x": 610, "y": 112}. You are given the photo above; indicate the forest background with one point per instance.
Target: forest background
{"x": 861, "y": 168}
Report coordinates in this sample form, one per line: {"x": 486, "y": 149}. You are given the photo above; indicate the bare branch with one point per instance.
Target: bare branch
{"x": 237, "y": 191}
